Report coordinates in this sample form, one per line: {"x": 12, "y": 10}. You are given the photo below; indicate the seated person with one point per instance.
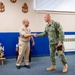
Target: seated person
{"x": 17, "y": 50}
{"x": 1, "y": 51}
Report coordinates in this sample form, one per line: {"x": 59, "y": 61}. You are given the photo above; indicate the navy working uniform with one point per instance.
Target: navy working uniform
{"x": 55, "y": 35}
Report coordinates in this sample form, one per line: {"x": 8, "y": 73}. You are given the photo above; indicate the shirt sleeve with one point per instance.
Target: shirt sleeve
{"x": 42, "y": 34}
{"x": 22, "y": 31}
{"x": 60, "y": 33}
{"x": 17, "y": 45}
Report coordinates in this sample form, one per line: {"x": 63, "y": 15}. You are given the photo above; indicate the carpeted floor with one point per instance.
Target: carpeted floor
{"x": 38, "y": 67}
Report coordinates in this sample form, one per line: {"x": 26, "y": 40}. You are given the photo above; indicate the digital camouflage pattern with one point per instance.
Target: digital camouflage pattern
{"x": 55, "y": 35}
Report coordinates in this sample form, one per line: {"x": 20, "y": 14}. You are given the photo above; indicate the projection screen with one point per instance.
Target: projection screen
{"x": 55, "y": 5}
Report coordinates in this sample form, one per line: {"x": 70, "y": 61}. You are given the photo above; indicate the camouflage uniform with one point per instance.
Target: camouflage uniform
{"x": 55, "y": 35}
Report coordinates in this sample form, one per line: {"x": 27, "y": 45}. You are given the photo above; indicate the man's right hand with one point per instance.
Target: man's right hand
{"x": 35, "y": 35}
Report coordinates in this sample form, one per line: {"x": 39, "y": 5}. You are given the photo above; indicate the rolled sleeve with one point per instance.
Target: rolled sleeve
{"x": 22, "y": 31}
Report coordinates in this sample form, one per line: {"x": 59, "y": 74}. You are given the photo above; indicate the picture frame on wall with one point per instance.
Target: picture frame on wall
{"x": 2, "y": 7}
{"x": 13, "y": 1}
{"x": 25, "y": 8}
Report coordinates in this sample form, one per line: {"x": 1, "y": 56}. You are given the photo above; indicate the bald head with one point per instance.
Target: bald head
{"x": 48, "y": 15}
{"x": 47, "y": 18}
{"x": 26, "y": 22}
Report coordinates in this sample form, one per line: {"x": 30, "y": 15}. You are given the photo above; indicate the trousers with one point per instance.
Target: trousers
{"x": 24, "y": 51}
{"x": 53, "y": 55}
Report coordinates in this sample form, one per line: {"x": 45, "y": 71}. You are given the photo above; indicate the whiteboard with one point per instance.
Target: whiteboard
{"x": 55, "y": 5}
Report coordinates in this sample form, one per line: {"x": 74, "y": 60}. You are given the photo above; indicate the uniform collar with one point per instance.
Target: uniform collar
{"x": 25, "y": 27}
{"x": 50, "y": 23}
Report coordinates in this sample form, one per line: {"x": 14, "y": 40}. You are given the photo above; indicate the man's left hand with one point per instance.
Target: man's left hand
{"x": 59, "y": 44}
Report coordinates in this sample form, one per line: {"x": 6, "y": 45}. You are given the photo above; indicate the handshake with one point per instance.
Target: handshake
{"x": 35, "y": 35}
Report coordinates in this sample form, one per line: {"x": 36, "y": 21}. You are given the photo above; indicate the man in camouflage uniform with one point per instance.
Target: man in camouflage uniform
{"x": 56, "y": 36}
